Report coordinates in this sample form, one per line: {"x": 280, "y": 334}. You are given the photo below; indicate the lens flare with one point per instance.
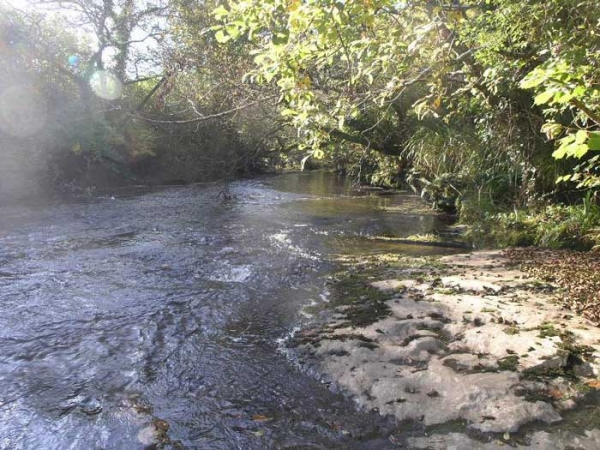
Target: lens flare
{"x": 22, "y": 111}
{"x": 106, "y": 85}
{"x": 73, "y": 60}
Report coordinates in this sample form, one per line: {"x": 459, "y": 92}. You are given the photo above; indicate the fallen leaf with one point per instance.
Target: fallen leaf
{"x": 260, "y": 418}
{"x": 594, "y": 384}
{"x": 556, "y": 394}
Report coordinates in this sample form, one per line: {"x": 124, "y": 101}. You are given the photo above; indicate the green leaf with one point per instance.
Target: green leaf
{"x": 544, "y": 97}
{"x": 281, "y": 38}
{"x": 261, "y": 59}
{"x": 221, "y": 37}
{"x": 594, "y": 140}
{"x": 579, "y": 91}
{"x": 233, "y": 31}
{"x": 534, "y": 78}
{"x": 563, "y": 179}
{"x": 581, "y": 136}
{"x": 571, "y": 147}
{"x": 220, "y": 12}
{"x": 270, "y": 74}
{"x": 563, "y": 98}
{"x": 564, "y": 147}
{"x": 580, "y": 150}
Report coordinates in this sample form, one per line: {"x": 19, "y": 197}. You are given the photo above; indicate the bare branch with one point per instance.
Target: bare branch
{"x": 203, "y": 117}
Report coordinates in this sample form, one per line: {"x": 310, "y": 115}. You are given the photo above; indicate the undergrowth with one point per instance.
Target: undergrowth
{"x": 575, "y": 227}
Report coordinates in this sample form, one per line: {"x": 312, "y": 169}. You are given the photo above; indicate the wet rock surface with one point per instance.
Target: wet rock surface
{"x": 460, "y": 339}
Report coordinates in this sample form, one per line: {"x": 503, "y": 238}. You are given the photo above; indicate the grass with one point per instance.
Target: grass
{"x": 575, "y": 227}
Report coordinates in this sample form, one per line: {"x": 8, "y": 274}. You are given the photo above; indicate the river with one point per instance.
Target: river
{"x": 157, "y": 314}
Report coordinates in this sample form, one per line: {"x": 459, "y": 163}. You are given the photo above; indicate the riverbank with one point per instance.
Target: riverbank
{"x": 463, "y": 347}
{"x": 577, "y": 273}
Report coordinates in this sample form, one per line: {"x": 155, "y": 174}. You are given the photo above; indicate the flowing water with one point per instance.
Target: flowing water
{"x": 156, "y": 314}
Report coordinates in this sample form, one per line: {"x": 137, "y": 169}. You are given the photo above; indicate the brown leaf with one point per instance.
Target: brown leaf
{"x": 594, "y": 384}
{"x": 260, "y": 418}
{"x": 556, "y": 394}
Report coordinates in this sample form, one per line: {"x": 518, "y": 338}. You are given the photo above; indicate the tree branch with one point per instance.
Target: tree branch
{"x": 587, "y": 111}
{"x": 202, "y": 117}
{"x": 150, "y": 94}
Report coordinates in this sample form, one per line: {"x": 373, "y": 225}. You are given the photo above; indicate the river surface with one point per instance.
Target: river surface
{"x": 148, "y": 315}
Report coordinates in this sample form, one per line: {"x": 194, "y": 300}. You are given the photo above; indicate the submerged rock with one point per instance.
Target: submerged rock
{"x": 91, "y": 406}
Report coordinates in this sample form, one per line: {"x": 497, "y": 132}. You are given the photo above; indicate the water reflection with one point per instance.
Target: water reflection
{"x": 153, "y": 319}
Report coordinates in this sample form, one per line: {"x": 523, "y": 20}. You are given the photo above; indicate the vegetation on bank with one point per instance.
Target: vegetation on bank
{"x": 97, "y": 93}
{"x": 488, "y": 109}
{"x": 574, "y": 227}
{"x": 479, "y": 107}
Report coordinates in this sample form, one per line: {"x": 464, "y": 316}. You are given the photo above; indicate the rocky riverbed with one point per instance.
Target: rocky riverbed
{"x": 471, "y": 350}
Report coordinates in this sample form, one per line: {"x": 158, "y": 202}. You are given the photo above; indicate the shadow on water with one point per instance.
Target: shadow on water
{"x": 137, "y": 321}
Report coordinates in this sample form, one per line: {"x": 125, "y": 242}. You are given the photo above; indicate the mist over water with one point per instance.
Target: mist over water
{"x": 26, "y": 139}
{"x": 22, "y": 111}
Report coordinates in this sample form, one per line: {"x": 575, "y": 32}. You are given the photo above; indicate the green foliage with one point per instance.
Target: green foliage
{"x": 566, "y": 85}
{"x": 477, "y": 105}
{"x": 330, "y": 62}
{"x": 552, "y": 226}
{"x": 155, "y": 130}
{"x": 366, "y": 72}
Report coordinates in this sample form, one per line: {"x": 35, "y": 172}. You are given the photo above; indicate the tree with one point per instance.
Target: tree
{"x": 346, "y": 70}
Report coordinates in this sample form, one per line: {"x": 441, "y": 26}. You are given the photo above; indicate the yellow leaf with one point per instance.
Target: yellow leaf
{"x": 294, "y": 5}
{"x": 304, "y": 83}
{"x": 455, "y": 16}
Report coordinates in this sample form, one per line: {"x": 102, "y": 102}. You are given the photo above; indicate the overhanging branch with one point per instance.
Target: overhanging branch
{"x": 202, "y": 117}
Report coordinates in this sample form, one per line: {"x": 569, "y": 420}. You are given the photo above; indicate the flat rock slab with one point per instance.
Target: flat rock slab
{"x": 538, "y": 440}
{"x": 473, "y": 341}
